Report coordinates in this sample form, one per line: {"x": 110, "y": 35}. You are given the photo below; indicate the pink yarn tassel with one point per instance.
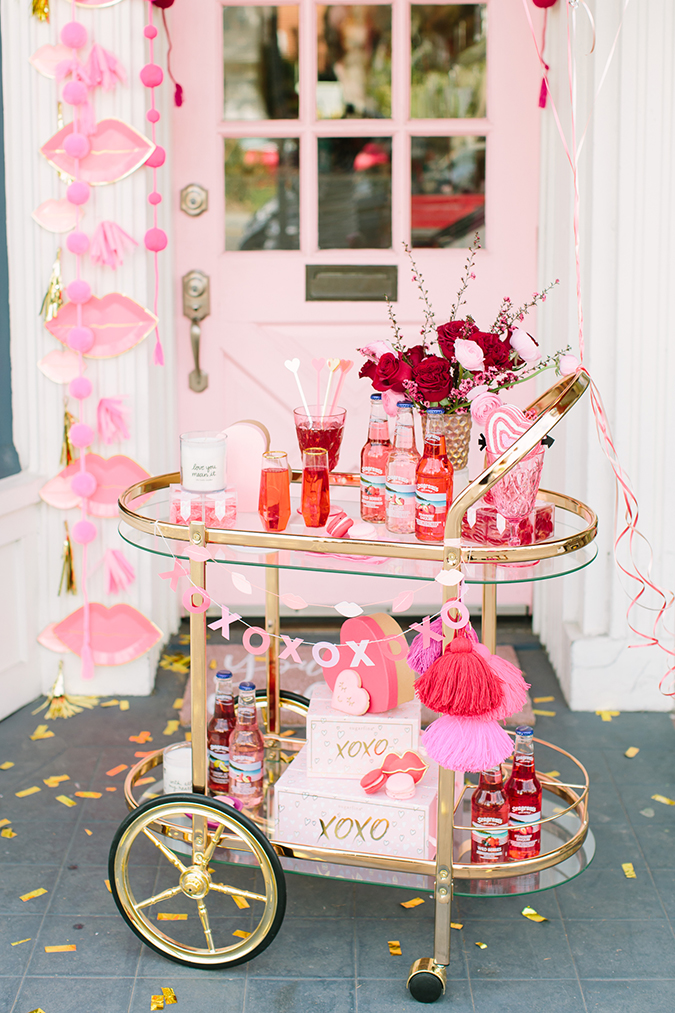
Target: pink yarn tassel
{"x": 466, "y": 743}
{"x": 119, "y": 573}
{"x": 104, "y": 69}
{"x": 514, "y": 686}
{"x": 109, "y": 243}
{"x": 112, "y": 426}
{"x": 420, "y": 657}
{"x": 73, "y": 68}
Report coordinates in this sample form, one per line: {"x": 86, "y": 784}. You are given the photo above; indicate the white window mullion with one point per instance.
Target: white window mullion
{"x": 309, "y": 186}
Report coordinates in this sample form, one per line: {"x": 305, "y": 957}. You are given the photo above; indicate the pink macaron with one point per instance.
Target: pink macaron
{"x": 373, "y": 781}
{"x": 400, "y": 786}
{"x": 339, "y": 524}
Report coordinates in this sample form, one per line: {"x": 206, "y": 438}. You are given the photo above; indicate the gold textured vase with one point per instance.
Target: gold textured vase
{"x": 457, "y": 428}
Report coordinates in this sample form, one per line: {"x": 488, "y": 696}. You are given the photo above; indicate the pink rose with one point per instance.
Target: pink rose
{"x": 568, "y": 364}
{"x": 469, "y": 354}
{"x": 483, "y": 406}
{"x": 482, "y": 388}
{"x": 390, "y": 399}
{"x": 525, "y": 345}
{"x": 376, "y": 349}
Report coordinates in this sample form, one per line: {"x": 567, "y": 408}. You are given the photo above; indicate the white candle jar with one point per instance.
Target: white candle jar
{"x": 202, "y": 461}
{"x": 178, "y": 768}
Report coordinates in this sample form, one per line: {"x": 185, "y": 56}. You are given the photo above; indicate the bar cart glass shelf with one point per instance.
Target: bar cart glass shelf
{"x": 212, "y": 852}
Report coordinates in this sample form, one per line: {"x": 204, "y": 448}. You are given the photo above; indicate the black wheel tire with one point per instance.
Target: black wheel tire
{"x": 284, "y": 694}
{"x": 425, "y": 986}
{"x": 236, "y": 817}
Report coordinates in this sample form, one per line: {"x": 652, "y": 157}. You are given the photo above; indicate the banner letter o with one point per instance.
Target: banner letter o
{"x": 246, "y": 640}
{"x": 323, "y": 645}
{"x": 189, "y": 604}
{"x": 462, "y": 618}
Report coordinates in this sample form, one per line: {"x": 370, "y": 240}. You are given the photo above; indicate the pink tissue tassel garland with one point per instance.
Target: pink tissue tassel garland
{"x": 119, "y": 573}
{"x": 104, "y": 69}
{"x": 108, "y": 244}
{"x": 420, "y": 657}
{"x": 112, "y": 426}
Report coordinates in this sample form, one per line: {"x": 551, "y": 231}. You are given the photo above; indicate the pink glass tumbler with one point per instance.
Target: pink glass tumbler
{"x": 515, "y": 494}
{"x": 313, "y": 430}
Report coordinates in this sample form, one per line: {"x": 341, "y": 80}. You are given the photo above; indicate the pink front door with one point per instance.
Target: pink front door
{"x": 332, "y": 135}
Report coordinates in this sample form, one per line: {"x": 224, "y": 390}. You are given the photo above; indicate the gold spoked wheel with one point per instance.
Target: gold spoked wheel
{"x": 197, "y": 881}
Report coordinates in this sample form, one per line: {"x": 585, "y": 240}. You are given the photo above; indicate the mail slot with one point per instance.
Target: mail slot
{"x": 351, "y": 283}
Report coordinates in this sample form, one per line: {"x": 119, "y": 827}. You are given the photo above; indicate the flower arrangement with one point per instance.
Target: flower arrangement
{"x": 457, "y": 366}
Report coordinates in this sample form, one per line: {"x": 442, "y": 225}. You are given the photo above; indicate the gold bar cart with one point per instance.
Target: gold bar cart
{"x": 200, "y": 840}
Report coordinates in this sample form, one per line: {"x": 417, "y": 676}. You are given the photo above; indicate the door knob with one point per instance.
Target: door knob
{"x": 196, "y": 306}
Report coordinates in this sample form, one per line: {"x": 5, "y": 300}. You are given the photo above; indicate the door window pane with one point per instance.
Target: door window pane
{"x": 262, "y": 193}
{"x": 354, "y": 193}
{"x": 260, "y": 63}
{"x": 448, "y": 61}
{"x": 448, "y": 190}
{"x": 354, "y": 61}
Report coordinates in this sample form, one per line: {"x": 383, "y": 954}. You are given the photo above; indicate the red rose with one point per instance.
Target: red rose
{"x": 415, "y": 355}
{"x": 391, "y": 371}
{"x": 369, "y": 370}
{"x": 495, "y": 351}
{"x": 447, "y": 333}
{"x": 432, "y": 377}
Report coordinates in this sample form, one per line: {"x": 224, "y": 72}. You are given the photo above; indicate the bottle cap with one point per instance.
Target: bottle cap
{"x": 246, "y": 687}
{"x": 435, "y": 411}
{"x": 404, "y": 404}
{"x": 524, "y": 731}
{"x": 375, "y": 397}
{"x": 223, "y": 674}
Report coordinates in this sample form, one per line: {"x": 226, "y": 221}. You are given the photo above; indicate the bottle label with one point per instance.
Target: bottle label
{"x": 521, "y": 833}
{"x": 245, "y": 775}
{"x": 489, "y": 838}
{"x": 219, "y": 764}
{"x": 432, "y": 495}
{"x": 397, "y": 489}
{"x": 372, "y": 477}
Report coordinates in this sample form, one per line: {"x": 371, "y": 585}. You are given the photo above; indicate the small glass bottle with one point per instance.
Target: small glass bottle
{"x": 523, "y": 792}
{"x": 218, "y": 734}
{"x": 374, "y": 463}
{"x": 401, "y": 473}
{"x": 434, "y": 481}
{"x": 489, "y": 819}
{"x": 247, "y": 750}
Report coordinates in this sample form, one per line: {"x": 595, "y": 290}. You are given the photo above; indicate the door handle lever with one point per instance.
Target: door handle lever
{"x": 196, "y": 306}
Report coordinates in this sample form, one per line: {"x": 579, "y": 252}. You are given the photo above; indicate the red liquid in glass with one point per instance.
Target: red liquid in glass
{"x": 434, "y": 491}
{"x": 315, "y": 505}
{"x": 489, "y": 819}
{"x": 523, "y": 792}
{"x": 218, "y": 737}
{"x": 326, "y": 434}
{"x": 274, "y": 504}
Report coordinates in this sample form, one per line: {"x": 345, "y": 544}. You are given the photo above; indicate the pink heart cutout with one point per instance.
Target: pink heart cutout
{"x": 348, "y": 695}
{"x": 504, "y": 427}
{"x": 118, "y": 634}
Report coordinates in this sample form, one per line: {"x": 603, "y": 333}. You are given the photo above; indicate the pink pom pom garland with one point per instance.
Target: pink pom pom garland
{"x": 156, "y": 239}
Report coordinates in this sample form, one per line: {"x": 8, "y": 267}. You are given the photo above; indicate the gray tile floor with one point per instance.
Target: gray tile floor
{"x": 608, "y": 944}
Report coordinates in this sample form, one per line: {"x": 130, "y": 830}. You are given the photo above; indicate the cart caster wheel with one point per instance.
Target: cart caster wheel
{"x": 168, "y": 893}
{"x": 426, "y": 981}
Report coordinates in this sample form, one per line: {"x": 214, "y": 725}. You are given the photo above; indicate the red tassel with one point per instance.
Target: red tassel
{"x": 543, "y": 91}
{"x": 178, "y": 95}
{"x": 460, "y": 682}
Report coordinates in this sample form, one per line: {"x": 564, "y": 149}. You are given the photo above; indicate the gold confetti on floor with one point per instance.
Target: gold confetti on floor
{"x": 169, "y": 916}
{"x": 5, "y": 822}
{"x": 171, "y": 727}
{"x": 241, "y": 933}
{"x": 457, "y": 925}
{"x": 415, "y": 902}
{"x": 482, "y": 946}
{"x": 65, "y": 800}
{"x": 141, "y": 738}
{"x": 27, "y": 791}
{"x": 178, "y": 703}
{"x": 608, "y": 715}
{"x": 6, "y": 765}
{"x": 20, "y": 941}
{"x": 33, "y": 894}
{"x": 529, "y": 912}
{"x": 628, "y": 870}
{"x": 7, "y": 832}
{"x": 124, "y": 705}
{"x": 110, "y": 703}
{"x": 543, "y": 699}
{"x": 54, "y": 782}
{"x": 116, "y": 770}
{"x": 544, "y": 714}
{"x": 107, "y": 883}
{"x": 631, "y": 752}
{"x": 156, "y": 1002}
{"x": 394, "y": 948}
{"x": 89, "y": 794}
{"x": 551, "y": 773}
{"x": 89, "y": 833}
{"x": 241, "y": 902}
{"x": 111, "y": 789}
{"x": 169, "y": 996}
{"x": 67, "y": 948}
{"x": 663, "y": 799}
{"x": 41, "y": 732}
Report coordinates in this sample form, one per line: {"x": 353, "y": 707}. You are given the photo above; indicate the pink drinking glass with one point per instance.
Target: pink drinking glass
{"x": 515, "y": 494}
{"x": 314, "y": 431}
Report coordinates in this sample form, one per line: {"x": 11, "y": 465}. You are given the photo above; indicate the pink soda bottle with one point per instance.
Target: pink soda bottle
{"x": 218, "y": 735}
{"x": 434, "y": 482}
{"x": 247, "y": 751}
{"x": 374, "y": 463}
{"x": 401, "y": 474}
{"x": 489, "y": 819}
{"x": 523, "y": 792}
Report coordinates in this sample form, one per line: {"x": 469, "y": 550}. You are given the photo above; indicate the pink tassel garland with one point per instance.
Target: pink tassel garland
{"x": 420, "y": 657}
{"x": 112, "y": 426}
{"x": 109, "y": 243}
{"x": 459, "y": 743}
{"x": 513, "y": 684}
{"x": 119, "y": 573}
{"x": 460, "y": 682}
{"x": 73, "y": 68}
{"x": 104, "y": 69}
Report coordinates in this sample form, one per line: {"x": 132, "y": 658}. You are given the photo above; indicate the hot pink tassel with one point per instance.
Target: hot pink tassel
{"x": 420, "y": 657}
{"x": 112, "y": 426}
{"x": 104, "y": 69}
{"x": 514, "y": 686}
{"x": 543, "y": 91}
{"x": 108, "y": 244}
{"x": 466, "y": 743}
{"x": 119, "y": 573}
{"x": 73, "y": 68}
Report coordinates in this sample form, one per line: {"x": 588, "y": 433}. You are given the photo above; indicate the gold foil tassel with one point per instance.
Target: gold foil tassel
{"x": 169, "y": 996}
{"x": 53, "y": 300}
{"x": 61, "y": 705}
{"x": 68, "y": 568}
{"x": 40, "y": 10}
{"x": 67, "y": 451}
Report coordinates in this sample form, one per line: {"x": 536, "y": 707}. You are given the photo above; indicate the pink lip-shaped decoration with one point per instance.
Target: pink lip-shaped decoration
{"x": 56, "y": 215}
{"x": 117, "y": 321}
{"x": 113, "y": 475}
{"x": 118, "y": 634}
{"x": 60, "y": 365}
{"x": 47, "y": 57}
{"x": 49, "y": 640}
{"x": 117, "y": 150}
{"x": 96, "y": 3}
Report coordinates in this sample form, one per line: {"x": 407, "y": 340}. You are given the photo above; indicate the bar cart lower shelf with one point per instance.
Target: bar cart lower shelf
{"x": 205, "y": 850}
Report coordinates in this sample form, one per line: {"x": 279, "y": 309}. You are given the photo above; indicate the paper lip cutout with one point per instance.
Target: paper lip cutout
{"x": 60, "y": 365}
{"x": 49, "y": 640}
{"x": 96, "y": 3}
{"x": 118, "y": 322}
{"x": 118, "y": 635}
{"x": 56, "y": 215}
{"x": 113, "y": 474}
{"x": 117, "y": 150}
{"x": 47, "y": 57}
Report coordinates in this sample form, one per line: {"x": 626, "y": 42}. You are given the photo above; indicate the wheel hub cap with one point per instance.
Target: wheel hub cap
{"x": 195, "y": 882}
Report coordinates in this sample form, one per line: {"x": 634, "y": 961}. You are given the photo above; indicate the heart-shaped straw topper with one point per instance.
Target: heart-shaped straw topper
{"x": 332, "y": 364}
{"x": 294, "y": 365}
{"x": 345, "y": 366}
{"x": 503, "y": 428}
